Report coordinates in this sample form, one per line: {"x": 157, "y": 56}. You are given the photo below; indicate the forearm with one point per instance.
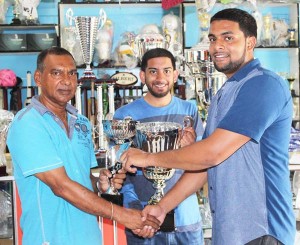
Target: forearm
{"x": 200, "y": 155}
{"x": 191, "y": 157}
{"x": 189, "y": 183}
{"x": 83, "y": 198}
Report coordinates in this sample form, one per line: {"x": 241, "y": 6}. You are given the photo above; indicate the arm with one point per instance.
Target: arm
{"x": 86, "y": 200}
{"x": 200, "y": 155}
{"x": 188, "y": 184}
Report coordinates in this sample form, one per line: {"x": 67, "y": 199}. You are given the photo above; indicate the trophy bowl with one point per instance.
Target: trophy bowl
{"x": 155, "y": 137}
{"x": 119, "y": 130}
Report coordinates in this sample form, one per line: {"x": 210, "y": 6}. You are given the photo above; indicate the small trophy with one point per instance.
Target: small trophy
{"x": 292, "y": 41}
{"x": 113, "y": 164}
{"x": 267, "y": 36}
{"x": 6, "y": 118}
{"x": 119, "y": 131}
{"x": 17, "y": 8}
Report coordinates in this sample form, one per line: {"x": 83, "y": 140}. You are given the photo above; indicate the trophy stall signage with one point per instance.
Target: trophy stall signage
{"x": 124, "y": 78}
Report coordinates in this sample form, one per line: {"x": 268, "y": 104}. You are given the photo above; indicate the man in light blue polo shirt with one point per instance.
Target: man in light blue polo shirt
{"x": 244, "y": 147}
{"x": 52, "y": 151}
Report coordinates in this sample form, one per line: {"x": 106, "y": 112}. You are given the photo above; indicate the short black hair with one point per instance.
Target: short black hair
{"x": 156, "y": 53}
{"x": 53, "y": 50}
{"x": 245, "y": 20}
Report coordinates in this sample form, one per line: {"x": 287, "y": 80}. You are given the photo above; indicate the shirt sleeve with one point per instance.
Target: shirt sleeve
{"x": 31, "y": 146}
{"x": 257, "y": 105}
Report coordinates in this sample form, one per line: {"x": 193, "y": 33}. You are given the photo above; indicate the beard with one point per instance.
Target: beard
{"x": 231, "y": 67}
{"x": 156, "y": 94}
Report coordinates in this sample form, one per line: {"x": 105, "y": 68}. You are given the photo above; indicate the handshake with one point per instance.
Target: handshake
{"x": 142, "y": 223}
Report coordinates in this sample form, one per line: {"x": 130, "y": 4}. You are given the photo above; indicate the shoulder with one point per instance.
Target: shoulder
{"x": 267, "y": 83}
{"x": 187, "y": 105}
{"x": 129, "y": 109}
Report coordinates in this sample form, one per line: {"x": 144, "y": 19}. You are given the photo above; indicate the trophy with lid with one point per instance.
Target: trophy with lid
{"x": 156, "y": 137}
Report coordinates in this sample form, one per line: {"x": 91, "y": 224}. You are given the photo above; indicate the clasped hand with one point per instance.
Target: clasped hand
{"x": 151, "y": 210}
{"x": 106, "y": 179}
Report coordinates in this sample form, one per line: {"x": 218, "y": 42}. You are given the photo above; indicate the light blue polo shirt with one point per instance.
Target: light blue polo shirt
{"x": 250, "y": 193}
{"x": 38, "y": 143}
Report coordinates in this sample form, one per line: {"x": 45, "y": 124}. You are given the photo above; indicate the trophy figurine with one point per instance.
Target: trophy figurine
{"x": 6, "y": 118}
{"x": 203, "y": 7}
{"x": 17, "y": 9}
{"x": 29, "y": 11}
{"x": 155, "y": 137}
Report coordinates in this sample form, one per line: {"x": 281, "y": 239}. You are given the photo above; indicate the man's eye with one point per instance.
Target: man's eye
{"x": 56, "y": 73}
{"x": 73, "y": 73}
{"x": 228, "y": 38}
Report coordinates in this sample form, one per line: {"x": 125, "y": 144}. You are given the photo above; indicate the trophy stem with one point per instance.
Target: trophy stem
{"x": 159, "y": 186}
{"x": 88, "y": 73}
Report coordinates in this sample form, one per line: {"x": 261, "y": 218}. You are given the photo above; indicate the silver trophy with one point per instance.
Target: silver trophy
{"x": 113, "y": 164}
{"x": 119, "y": 130}
{"x": 155, "y": 137}
{"x": 6, "y": 118}
{"x": 206, "y": 78}
{"x": 86, "y": 28}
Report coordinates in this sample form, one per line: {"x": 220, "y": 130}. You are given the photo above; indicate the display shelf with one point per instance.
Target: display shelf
{"x": 4, "y": 27}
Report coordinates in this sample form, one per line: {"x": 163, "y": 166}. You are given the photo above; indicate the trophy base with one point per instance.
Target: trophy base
{"x": 115, "y": 199}
{"x": 3, "y": 171}
{"x": 292, "y": 43}
{"x": 169, "y": 223}
{"x": 16, "y": 21}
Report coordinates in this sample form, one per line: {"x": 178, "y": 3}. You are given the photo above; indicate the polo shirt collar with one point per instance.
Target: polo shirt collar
{"x": 42, "y": 109}
{"x": 245, "y": 70}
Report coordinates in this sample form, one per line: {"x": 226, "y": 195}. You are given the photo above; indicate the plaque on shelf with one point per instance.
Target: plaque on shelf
{"x": 41, "y": 41}
{"x": 13, "y": 42}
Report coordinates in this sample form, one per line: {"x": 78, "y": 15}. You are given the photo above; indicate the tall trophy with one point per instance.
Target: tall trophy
{"x": 6, "y": 118}
{"x": 119, "y": 131}
{"x": 207, "y": 79}
{"x": 155, "y": 137}
{"x": 86, "y": 28}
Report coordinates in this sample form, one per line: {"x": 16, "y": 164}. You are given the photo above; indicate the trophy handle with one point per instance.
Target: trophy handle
{"x": 69, "y": 16}
{"x": 102, "y": 18}
{"x": 188, "y": 121}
